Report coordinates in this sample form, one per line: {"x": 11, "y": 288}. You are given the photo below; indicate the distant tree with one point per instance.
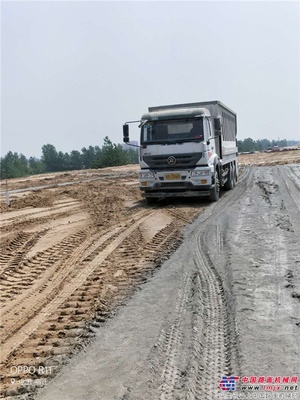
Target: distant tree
{"x": 111, "y": 155}
{"x": 249, "y": 144}
{"x": 50, "y": 157}
{"x": 293, "y": 142}
{"x": 259, "y": 145}
{"x": 134, "y": 155}
{"x": 75, "y": 160}
{"x": 63, "y": 161}
{"x": 274, "y": 143}
{"x": 36, "y": 166}
{"x": 98, "y": 152}
{"x": 240, "y": 146}
{"x": 88, "y": 156}
{"x": 282, "y": 143}
{"x": 14, "y": 165}
{"x": 8, "y": 169}
{"x": 265, "y": 143}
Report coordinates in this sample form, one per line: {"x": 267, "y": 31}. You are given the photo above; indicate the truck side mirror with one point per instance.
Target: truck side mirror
{"x": 218, "y": 126}
{"x": 125, "y": 133}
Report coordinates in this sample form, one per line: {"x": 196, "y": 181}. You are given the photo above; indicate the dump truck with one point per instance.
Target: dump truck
{"x": 186, "y": 150}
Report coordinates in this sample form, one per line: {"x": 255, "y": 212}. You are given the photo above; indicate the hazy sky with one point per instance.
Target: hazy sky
{"x": 73, "y": 72}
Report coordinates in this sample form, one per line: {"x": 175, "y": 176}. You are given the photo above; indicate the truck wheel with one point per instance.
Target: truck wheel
{"x": 229, "y": 184}
{"x": 150, "y": 200}
{"x": 215, "y": 192}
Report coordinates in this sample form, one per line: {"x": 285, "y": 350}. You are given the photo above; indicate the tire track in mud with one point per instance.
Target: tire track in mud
{"x": 294, "y": 170}
{"x": 213, "y": 340}
{"x": 30, "y": 215}
{"x": 214, "y": 350}
{"x": 49, "y": 262}
{"x": 108, "y": 270}
{"x": 58, "y": 280}
{"x": 40, "y": 289}
{"x": 211, "y": 353}
{"x": 167, "y": 239}
{"x": 211, "y": 344}
{"x": 28, "y": 271}
{"x": 292, "y": 183}
{"x": 280, "y": 189}
{"x": 169, "y": 344}
{"x": 268, "y": 254}
{"x": 30, "y": 222}
{"x": 287, "y": 205}
{"x": 181, "y": 215}
{"x": 13, "y": 251}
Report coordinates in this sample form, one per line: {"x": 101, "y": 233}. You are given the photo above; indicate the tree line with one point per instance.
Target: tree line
{"x": 264, "y": 144}
{"x": 14, "y": 165}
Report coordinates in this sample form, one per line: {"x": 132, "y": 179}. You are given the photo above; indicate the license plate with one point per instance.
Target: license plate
{"x": 172, "y": 177}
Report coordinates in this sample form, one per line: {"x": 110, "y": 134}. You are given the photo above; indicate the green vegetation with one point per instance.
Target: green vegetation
{"x": 260, "y": 145}
{"x": 14, "y": 165}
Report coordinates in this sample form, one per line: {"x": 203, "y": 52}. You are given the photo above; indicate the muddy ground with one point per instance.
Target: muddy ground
{"x": 91, "y": 309}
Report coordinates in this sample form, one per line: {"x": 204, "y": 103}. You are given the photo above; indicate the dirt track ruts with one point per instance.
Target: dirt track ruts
{"x": 52, "y": 299}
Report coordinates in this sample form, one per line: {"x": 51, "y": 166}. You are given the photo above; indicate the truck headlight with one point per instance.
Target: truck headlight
{"x": 196, "y": 173}
{"x": 146, "y": 175}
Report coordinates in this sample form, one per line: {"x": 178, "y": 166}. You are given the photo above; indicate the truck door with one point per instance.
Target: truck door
{"x": 218, "y": 145}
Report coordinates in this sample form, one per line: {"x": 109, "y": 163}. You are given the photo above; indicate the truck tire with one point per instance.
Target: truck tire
{"x": 150, "y": 200}
{"x": 215, "y": 192}
{"x": 229, "y": 184}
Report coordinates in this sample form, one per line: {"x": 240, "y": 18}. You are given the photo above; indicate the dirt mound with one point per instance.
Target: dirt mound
{"x": 272, "y": 158}
{"x": 34, "y": 199}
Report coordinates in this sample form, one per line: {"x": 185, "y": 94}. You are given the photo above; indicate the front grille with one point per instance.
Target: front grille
{"x": 187, "y": 160}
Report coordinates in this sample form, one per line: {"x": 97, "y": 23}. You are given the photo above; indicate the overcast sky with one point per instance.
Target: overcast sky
{"x": 73, "y": 72}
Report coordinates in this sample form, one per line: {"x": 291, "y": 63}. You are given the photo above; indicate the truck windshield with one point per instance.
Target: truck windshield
{"x": 175, "y": 131}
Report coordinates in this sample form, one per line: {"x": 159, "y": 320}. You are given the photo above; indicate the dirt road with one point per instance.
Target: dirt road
{"x": 226, "y": 302}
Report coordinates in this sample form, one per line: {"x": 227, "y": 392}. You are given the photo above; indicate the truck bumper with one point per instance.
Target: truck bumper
{"x": 176, "y": 189}
{"x": 165, "y": 194}
{"x": 196, "y": 182}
